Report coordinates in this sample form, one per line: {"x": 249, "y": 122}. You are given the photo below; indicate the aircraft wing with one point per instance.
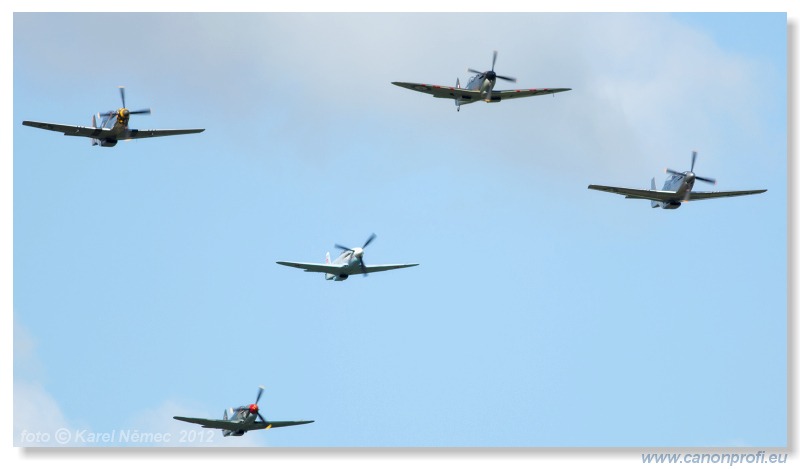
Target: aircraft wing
{"x": 467, "y": 96}
{"x": 510, "y": 94}
{"x": 284, "y": 423}
{"x": 97, "y": 132}
{"x": 216, "y": 423}
{"x": 649, "y": 194}
{"x": 72, "y": 130}
{"x": 135, "y": 133}
{"x": 666, "y": 196}
{"x": 381, "y": 268}
{"x": 235, "y": 426}
{"x": 336, "y": 269}
{"x": 311, "y": 267}
{"x": 449, "y": 92}
{"x": 715, "y": 195}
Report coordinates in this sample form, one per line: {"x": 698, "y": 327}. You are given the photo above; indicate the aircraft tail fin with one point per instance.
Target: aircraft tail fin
{"x": 458, "y": 101}
{"x": 328, "y": 261}
{"x": 225, "y": 417}
{"x": 94, "y": 124}
{"x": 653, "y": 203}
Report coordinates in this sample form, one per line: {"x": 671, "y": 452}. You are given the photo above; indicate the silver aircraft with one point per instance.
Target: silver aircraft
{"x": 113, "y": 127}
{"x": 242, "y": 420}
{"x": 677, "y": 189}
{"x": 479, "y": 88}
{"x": 350, "y": 262}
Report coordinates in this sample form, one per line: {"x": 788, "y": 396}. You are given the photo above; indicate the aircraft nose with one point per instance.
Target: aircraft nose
{"x": 253, "y": 408}
{"x": 491, "y": 75}
{"x": 358, "y": 252}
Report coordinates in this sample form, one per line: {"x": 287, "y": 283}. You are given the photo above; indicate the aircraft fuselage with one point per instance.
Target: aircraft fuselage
{"x": 242, "y": 416}
{"x": 350, "y": 259}
{"x": 682, "y": 185}
{"x": 484, "y": 83}
{"x": 120, "y": 129}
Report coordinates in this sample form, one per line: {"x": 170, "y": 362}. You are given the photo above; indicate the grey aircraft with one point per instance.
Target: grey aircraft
{"x": 480, "y": 87}
{"x": 350, "y": 262}
{"x": 113, "y": 127}
{"x": 242, "y": 420}
{"x": 677, "y": 189}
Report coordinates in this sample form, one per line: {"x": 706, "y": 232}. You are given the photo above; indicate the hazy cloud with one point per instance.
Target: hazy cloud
{"x": 37, "y": 414}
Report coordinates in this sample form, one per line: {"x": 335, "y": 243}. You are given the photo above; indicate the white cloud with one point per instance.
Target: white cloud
{"x": 159, "y": 421}
{"x": 647, "y": 89}
{"x": 38, "y": 418}
{"x": 40, "y": 422}
{"x": 26, "y": 362}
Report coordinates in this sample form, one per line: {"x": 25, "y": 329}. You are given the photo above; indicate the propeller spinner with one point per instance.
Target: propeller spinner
{"x": 358, "y": 253}
{"x": 491, "y": 74}
{"x": 253, "y": 408}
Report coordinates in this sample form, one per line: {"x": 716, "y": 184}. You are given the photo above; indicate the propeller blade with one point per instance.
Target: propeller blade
{"x": 494, "y": 59}
{"x": 339, "y": 246}
{"x": 708, "y": 180}
{"x": 140, "y": 111}
{"x": 369, "y": 240}
{"x": 108, "y": 114}
{"x": 122, "y": 94}
{"x": 672, "y": 171}
{"x": 472, "y": 70}
{"x": 363, "y": 267}
{"x": 511, "y": 79}
{"x": 260, "y": 392}
{"x": 261, "y": 417}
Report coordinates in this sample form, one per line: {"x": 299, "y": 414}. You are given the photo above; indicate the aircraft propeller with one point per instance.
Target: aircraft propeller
{"x": 253, "y": 408}
{"x": 690, "y": 174}
{"x": 359, "y": 252}
{"x": 123, "y": 112}
{"x": 491, "y": 74}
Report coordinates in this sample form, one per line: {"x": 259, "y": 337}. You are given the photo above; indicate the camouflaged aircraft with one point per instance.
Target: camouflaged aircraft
{"x": 677, "y": 189}
{"x": 113, "y": 127}
{"x": 480, "y": 87}
{"x": 242, "y": 420}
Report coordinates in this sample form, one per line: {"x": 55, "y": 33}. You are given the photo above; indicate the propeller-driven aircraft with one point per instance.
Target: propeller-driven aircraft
{"x": 242, "y": 420}
{"x": 479, "y": 88}
{"x": 677, "y": 189}
{"x": 349, "y": 262}
{"x": 113, "y": 127}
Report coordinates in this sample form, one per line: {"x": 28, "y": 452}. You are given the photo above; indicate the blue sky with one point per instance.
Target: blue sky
{"x": 542, "y": 314}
